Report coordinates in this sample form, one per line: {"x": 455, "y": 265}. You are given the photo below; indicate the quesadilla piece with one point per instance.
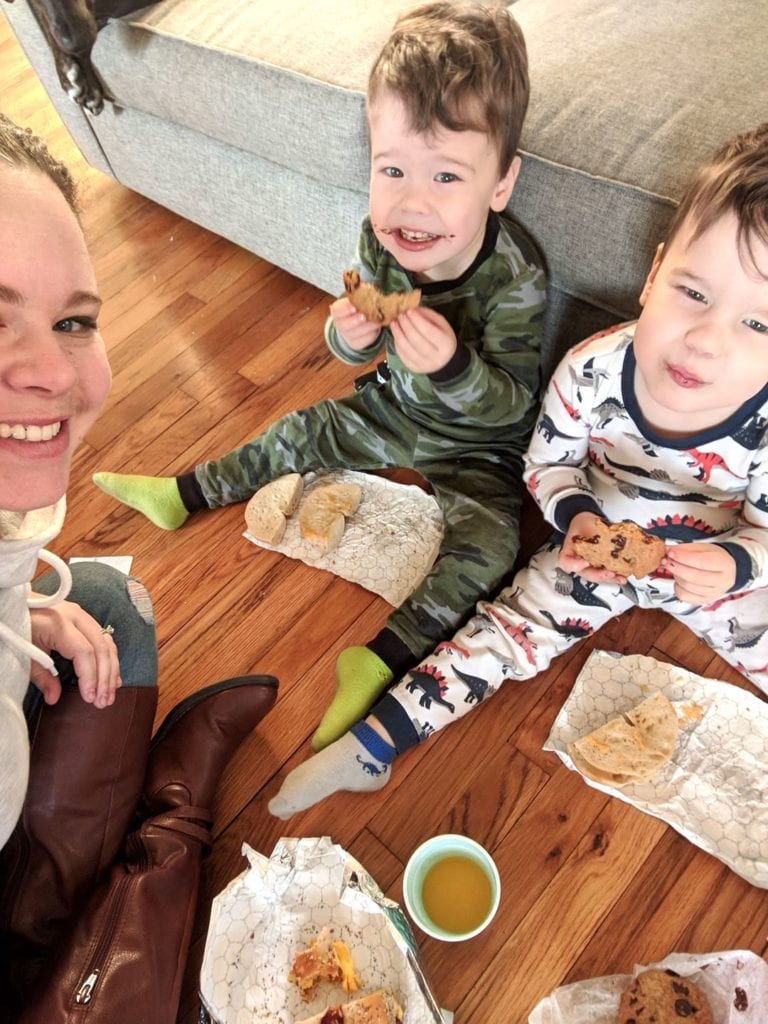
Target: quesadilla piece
{"x": 585, "y": 768}
{"x": 632, "y": 746}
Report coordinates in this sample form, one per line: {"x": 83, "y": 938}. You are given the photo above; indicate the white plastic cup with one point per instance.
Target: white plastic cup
{"x": 425, "y": 857}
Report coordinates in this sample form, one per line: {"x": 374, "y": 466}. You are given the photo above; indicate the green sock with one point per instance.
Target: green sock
{"x": 346, "y": 764}
{"x": 361, "y": 676}
{"x": 156, "y": 496}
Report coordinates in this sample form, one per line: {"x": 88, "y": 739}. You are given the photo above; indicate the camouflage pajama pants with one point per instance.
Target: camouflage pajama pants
{"x": 479, "y": 499}
{"x": 544, "y": 612}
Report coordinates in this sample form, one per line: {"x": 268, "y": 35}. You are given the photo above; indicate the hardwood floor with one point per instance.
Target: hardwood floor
{"x": 208, "y": 344}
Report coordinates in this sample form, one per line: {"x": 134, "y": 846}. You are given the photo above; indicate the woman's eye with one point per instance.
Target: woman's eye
{"x": 755, "y": 325}
{"x": 393, "y": 172}
{"x": 75, "y": 324}
{"x": 445, "y": 177}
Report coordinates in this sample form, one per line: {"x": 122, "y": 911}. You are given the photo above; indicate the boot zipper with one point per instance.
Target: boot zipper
{"x": 84, "y": 993}
{"x": 85, "y": 990}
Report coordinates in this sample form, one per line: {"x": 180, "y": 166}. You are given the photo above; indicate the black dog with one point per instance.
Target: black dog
{"x": 71, "y": 27}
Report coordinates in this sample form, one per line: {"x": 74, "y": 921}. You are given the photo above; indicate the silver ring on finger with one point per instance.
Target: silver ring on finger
{"x": 109, "y": 630}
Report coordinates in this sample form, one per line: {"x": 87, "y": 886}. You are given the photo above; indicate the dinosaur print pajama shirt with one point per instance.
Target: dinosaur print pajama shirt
{"x": 591, "y": 451}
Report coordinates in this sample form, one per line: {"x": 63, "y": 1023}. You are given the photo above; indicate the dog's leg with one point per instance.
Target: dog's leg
{"x": 70, "y": 30}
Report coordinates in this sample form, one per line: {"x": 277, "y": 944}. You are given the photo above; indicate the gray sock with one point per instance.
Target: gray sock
{"x": 345, "y": 764}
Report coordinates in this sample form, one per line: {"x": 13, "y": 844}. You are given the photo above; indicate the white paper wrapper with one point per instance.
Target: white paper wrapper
{"x": 389, "y": 544}
{"x": 735, "y": 983}
{"x": 275, "y": 908}
{"x": 715, "y": 789}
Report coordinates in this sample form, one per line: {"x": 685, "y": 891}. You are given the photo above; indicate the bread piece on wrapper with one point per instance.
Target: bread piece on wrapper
{"x": 380, "y": 1007}
{"x": 267, "y": 511}
{"x": 323, "y": 514}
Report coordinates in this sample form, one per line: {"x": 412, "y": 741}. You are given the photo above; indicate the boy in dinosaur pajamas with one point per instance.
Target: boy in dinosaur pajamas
{"x": 663, "y": 421}
{"x": 458, "y": 394}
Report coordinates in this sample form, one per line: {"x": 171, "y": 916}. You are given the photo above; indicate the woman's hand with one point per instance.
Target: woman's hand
{"x": 74, "y": 634}
{"x": 702, "y": 572}
{"x": 352, "y": 327}
{"x": 583, "y": 525}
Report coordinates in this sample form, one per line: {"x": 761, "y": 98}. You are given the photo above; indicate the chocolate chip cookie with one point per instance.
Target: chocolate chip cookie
{"x": 373, "y": 304}
{"x": 663, "y": 997}
{"x": 623, "y": 548}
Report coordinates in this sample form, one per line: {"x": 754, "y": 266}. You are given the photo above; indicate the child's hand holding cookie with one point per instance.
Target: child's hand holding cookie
{"x": 424, "y": 340}
{"x": 352, "y": 326}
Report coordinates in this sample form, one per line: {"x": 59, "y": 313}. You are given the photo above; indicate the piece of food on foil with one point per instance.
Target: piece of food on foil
{"x": 629, "y": 748}
{"x": 380, "y": 1007}
{"x": 325, "y": 959}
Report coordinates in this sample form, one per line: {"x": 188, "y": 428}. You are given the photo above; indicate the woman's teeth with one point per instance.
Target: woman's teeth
{"x": 34, "y": 433}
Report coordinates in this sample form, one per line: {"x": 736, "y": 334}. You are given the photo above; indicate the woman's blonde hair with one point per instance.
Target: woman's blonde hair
{"x": 20, "y": 147}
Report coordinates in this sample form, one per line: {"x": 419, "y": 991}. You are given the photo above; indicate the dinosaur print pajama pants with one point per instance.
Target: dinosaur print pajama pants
{"x": 542, "y": 614}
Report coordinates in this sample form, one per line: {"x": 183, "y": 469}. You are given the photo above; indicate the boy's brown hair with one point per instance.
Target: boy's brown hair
{"x": 19, "y": 147}
{"x": 734, "y": 180}
{"x": 460, "y": 66}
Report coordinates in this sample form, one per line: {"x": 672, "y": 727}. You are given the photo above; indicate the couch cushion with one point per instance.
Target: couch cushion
{"x": 627, "y": 99}
{"x": 284, "y": 81}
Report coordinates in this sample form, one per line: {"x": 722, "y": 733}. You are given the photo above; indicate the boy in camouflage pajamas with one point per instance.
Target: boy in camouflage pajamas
{"x": 664, "y": 422}
{"x": 457, "y": 396}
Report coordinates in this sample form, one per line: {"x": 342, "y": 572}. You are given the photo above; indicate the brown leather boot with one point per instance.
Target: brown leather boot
{"x": 124, "y": 959}
{"x": 87, "y": 769}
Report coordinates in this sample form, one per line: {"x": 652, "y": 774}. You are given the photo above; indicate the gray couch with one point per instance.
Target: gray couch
{"x": 246, "y": 116}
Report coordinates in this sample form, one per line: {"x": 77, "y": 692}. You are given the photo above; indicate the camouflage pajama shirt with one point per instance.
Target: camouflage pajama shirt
{"x": 465, "y": 428}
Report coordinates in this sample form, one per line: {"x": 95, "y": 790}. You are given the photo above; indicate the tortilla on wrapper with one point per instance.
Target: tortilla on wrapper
{"x": 629, "y": 748}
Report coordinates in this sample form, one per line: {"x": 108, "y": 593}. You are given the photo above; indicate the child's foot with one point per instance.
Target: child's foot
{"x": 156, "y": 496}
{"x": 346, "y": 764}
{"x": 361, "y": 677}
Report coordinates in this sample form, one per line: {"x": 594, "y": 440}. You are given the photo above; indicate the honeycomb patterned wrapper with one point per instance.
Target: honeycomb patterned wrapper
{"x": 389, "y": 544}
{"x": 276, "y": 907}
{"x": 714, "y": 791}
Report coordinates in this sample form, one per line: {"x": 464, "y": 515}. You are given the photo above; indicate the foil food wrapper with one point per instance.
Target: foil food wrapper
{"x": 275, "y": 908}
{"x": 714, "y": 791}
{"x": 388, "y": 546}
{"x": 735, "y": 983}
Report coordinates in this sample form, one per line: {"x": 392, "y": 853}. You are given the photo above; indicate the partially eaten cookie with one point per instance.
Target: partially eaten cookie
{"x": 375, "y": 305}
{"x": 623, "y": 548}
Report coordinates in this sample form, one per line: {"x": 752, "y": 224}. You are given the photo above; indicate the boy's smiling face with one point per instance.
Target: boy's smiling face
{"x": 430, "y": 193}
{"x": 701, "y": 343}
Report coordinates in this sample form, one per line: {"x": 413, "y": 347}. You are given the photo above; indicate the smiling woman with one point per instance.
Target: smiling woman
{"x": 78, "y": 660}
{"x": 55, "y": 374}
